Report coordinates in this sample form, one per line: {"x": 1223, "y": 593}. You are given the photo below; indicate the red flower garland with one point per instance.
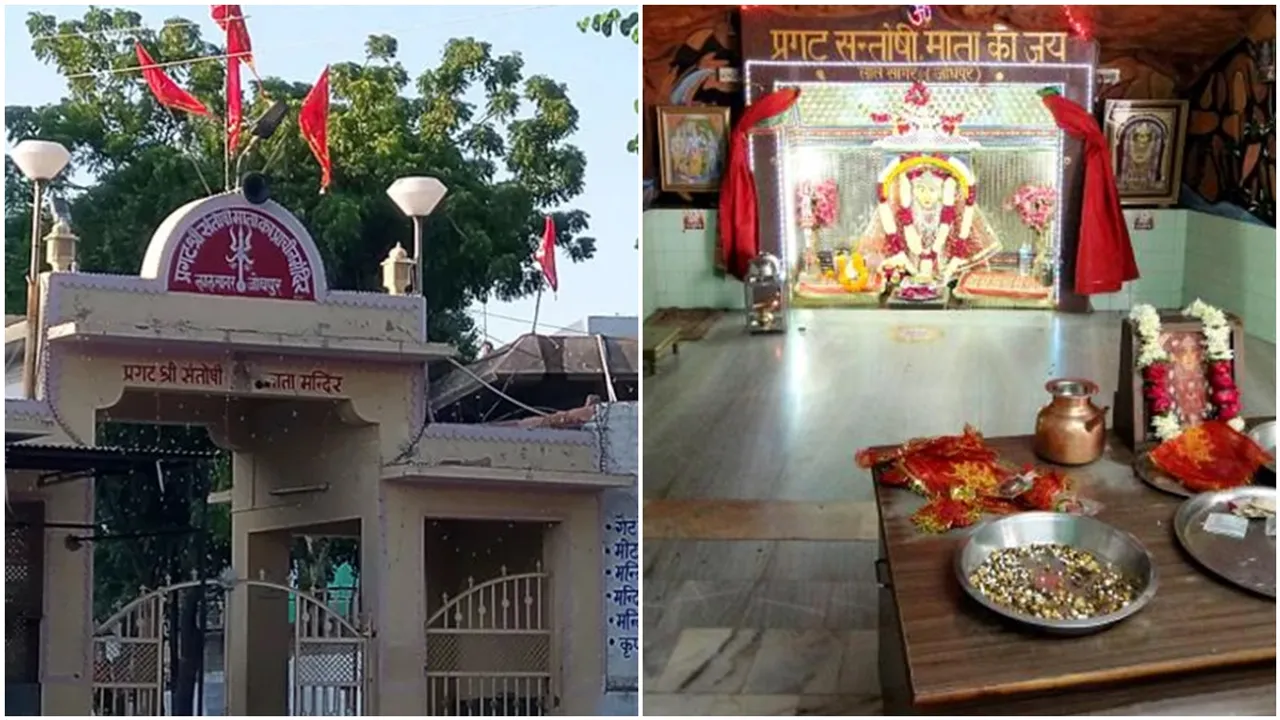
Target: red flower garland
{"x": 1224, "y": 395}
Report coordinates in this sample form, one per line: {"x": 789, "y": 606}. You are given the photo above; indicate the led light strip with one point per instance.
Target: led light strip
{"x": 928, "y": 63}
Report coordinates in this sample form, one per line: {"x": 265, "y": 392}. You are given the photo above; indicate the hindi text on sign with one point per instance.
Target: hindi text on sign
{"x": 904, "y": 44}
{"x": 314, "y": 381}
{"x": 244, "y": 252}
{"x": 170, "y": 373}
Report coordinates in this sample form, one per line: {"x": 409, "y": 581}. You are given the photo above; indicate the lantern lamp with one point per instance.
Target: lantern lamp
{"x": 765, "y": 295}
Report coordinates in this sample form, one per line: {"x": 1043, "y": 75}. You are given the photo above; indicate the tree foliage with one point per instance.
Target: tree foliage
{"x": 627, "y": 26}
{"x": 498, "y": 139}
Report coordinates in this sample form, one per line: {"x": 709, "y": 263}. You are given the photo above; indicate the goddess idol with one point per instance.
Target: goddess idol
{"x": 927, "y": 224}
{"x": 927, "y": 227}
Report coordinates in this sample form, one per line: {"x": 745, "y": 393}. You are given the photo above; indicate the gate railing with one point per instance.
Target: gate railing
{"x": 328, "y": 656}
{"x": 489, "y": 649}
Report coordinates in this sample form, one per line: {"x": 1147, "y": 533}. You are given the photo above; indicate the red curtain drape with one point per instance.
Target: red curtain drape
{"x": 1104, "y": 253}
{"x": 738, "y": 240}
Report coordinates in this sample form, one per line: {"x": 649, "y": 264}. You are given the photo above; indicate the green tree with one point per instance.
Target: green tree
{"x": 627, "y": 26}
{"x": 497, "y": 139}
{"x": 500, "y": 140}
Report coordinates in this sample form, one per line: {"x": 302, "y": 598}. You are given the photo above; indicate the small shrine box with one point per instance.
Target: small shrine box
{"x": 1183, "y": 340}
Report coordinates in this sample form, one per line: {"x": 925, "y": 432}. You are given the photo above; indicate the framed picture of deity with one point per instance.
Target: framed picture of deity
{"x": 1188, "y": 382}
{"x": 693, "y": 142}
{"x": 1145, "y": 138}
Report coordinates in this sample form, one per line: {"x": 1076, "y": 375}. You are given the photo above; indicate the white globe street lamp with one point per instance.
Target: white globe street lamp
{"x": 40, "y": 161}
{"x": 417, "y": 197}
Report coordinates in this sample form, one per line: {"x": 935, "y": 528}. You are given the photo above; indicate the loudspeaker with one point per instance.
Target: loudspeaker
{"x": 266, "y": 125}
{"x": 255, "y": 188}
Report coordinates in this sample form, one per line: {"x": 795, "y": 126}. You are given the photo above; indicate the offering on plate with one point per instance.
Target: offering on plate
{"x": 1053, "y": 582}
{"x": 963, "y": 478}
{"x": 1253, "y": 508}
{"x": 1210, "y": 456}
{"x": 920, "y": 292}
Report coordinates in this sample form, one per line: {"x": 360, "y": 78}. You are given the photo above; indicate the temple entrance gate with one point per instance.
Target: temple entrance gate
{"x": 490, "y": 649}
{"x": 321, "y": 399}
{"x": 133, "y": 656}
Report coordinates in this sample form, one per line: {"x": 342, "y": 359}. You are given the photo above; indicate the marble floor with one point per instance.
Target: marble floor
{"x": 760, "y": 532}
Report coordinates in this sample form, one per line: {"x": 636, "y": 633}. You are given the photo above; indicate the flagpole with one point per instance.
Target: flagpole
{"x": 537, "y": 305}
{"x": 226, "y": 135}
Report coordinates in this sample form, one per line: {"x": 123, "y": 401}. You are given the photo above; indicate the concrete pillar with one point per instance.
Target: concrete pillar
{"x": 258, "y": 632}
{"x": 66, "y": 679}
{"x": 392, "y": 569}
{"x": 573, "y": 554}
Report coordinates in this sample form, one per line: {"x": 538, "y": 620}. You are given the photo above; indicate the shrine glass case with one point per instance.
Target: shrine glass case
{"x": 921, "y": 193}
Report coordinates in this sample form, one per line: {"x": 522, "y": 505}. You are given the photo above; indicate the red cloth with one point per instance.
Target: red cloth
{"x": 739, "y": 239}
{"x": 962, "y": 477}
{"x": 1104, "y": 253}
{"x": 546, "y": 254}
{"x": 239, "y": 49}
{"x": 1210, "y": 456}
{"x": 313, "y": 119}
{"x": 163, "y": 87}
{"x": 231, "y": 20}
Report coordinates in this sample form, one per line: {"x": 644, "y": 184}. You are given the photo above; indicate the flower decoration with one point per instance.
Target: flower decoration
{"x": 1035, "y": 205}
{"x": 1157, "y": 369}
{"x": 817, "y": 204}
{"x": 1217, "y": 352}
{"x": 918, "y": 95}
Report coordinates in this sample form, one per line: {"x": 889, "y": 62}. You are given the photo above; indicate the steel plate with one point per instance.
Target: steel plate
{"x": 1107, "y": 543}
{"x": 1265, "y": 436}
{"x": 1248, "y": 563}
{"x": 1146, "y": 469}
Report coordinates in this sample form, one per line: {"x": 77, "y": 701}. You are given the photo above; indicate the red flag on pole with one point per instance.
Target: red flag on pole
{"x": 235, "y": 111}
{"x": 164, "y": 88}
{"x": 313, "y": 119}
{"x": 546, "y": 254}
{"x": 239, "y": 49}
{"x": 231, "y": 20}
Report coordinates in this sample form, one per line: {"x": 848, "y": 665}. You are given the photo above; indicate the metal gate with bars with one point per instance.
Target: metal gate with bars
{"x": 23, "y": 605}
{"x": 133, "y": 657}
{"x": 490, "y": 649}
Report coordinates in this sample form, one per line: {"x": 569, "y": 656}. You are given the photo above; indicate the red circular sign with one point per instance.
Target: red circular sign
{"x": 241, "y": 252}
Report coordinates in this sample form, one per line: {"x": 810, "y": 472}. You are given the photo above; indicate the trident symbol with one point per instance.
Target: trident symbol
{"x": 239, "y": 258}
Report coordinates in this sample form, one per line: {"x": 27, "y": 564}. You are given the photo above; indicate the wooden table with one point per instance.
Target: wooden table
{"x": 1201, "y": 647}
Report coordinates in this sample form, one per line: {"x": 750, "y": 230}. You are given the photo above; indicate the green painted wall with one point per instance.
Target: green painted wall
{"x": 679, "y": 265}
{"x": 1232, "y": 265}
{"x": 1161, "y": 256}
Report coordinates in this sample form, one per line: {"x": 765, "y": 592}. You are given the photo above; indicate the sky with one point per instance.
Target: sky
{"x": 602, "y": 74}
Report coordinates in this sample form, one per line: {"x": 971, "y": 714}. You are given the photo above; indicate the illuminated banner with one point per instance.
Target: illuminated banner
{"x": 905, "y": 44}
{"x": 787, "y": 36}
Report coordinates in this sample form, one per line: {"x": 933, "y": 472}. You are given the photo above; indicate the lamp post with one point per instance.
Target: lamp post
{"x": 40, "y": 161}
{"x": 417, "y": 197}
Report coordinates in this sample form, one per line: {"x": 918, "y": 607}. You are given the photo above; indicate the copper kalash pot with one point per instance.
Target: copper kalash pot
{"x": 1071, "y": 430}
